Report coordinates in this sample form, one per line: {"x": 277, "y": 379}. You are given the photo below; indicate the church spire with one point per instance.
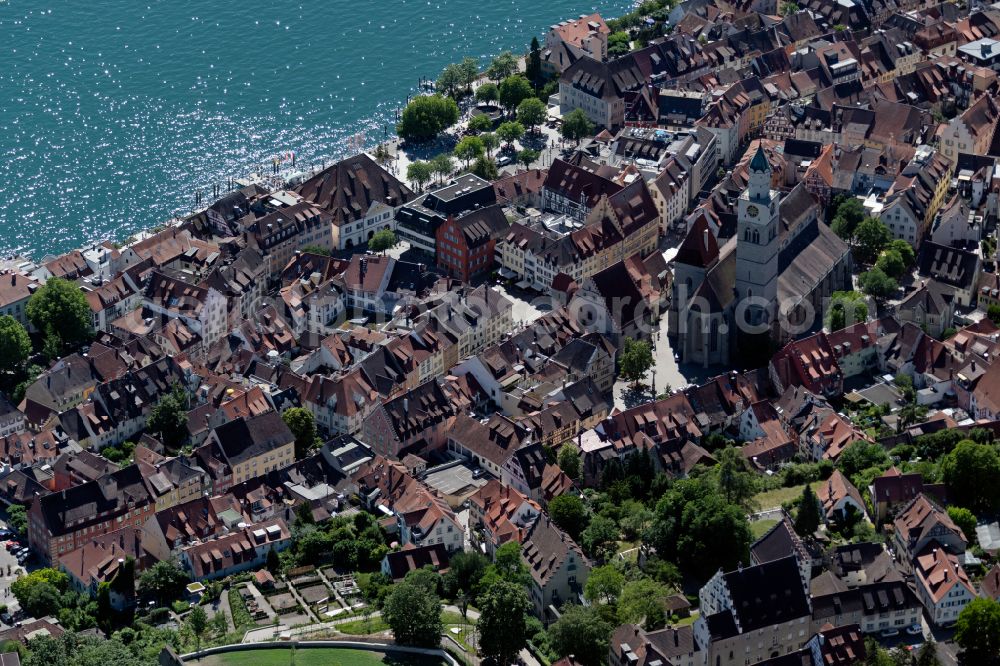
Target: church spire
{"x": 759, "y": 161}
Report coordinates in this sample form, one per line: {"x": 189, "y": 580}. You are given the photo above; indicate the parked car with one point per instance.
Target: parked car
{"x": 889, "y": 633}
{"x": 503, "y": 160}
{"x": 6, "y": 618}
{"x": 915, "y": 630}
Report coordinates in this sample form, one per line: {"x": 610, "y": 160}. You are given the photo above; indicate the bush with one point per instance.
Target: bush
{"x": 241, "y": 616}
{"x": 158, "y": 615}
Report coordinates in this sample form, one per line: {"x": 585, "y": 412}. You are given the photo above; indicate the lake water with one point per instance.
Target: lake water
{"x": 114, "y": 112}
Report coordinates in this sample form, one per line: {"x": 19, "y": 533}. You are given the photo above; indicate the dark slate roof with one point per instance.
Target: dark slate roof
{"x": 247, "y": 438}
{"x": 402, "y": 562}
{"x": 349, "y": 188}
{"x": 777, "y": 542}
{"x": 578, "y": 184}
{"x": 95, "y": 501}
{"x": 768, "y": 594}
{"x": 949, "y": 265}
{"x": 484, "y": 224}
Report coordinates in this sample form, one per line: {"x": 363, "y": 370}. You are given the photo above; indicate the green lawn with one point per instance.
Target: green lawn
{"x": 759, "y": 527}
{"x": 775, "y": 498}
{"x": 316, "y": 657}
{"x": 451, "y": 617}
{"x": 362, "y": 627}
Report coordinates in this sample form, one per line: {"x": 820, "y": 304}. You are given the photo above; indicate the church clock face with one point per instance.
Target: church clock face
{"x": 752, "y": 211}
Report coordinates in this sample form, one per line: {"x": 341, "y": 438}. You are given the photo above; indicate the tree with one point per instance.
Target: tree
{"x": 382, "y": 154}
{"x": 600, "y": 537}
{"x": 527, "y": 156}
{"x": 198, "y": 622}
{"x": 465, "y": 571}
{"x": 510, "y": 131}
{"x": 788, "y": 8}
{"x": 860, "y": 456}
{"x": 17, "y": 518}
{"x": 735, "y": 479}
{"x": 468, "y": 149}
{"x": 636, "y": 360}
{"x": 619, "y": 43}
{"x": 569, "y": 514}
{"x": 604, "y": 584}
{"x": 807, "y": 518}
{"x": 582, "y": 632}
{"x": 905, "y": 250}
{"x": 426, "y": 116}
{"x": 641, "y": 601}
{"x": 503, "y": 66}
{"x": 469, "y": 70}
{"x": 927, "y": 654}
{"x": 414, "y": 615}
{"x": 487, "y": 93}
{"x": 531, "y": 112}
{"x": 316, "y": 249}
{"x": 695, "y": 527}
{"x": 842, "y": 305}
{"x": 273, "y": 562}
{"x": 303, "y": 426}
{"x": 168, "y": 418}
{"x": 480, "y": 123}
{"x": 513, "y": 90}
{"x": 382, "y": 240}
{"x": 977, "y": 631}
{"x": 533, "y": 66}
{"x": 60, "y": 311}
{"x": 39, "y": 592}
{"x": 15, "y": 345}
{"x": 502, "y": 626}
{"x": 490, "y": 142}
{"x": 450, "y": 80}
{"x": 993, "y": 312}
{"x": 569, "y": 460}
{"x": 970, "y": 471}
{"x": 419, "y": 173}
{"x": 442, "y": 165}
{"x": 576, "y": 126}
{"x": 877, "y": 284}
{"x": 965, "y": 519}
{"x": 891, "y": 263}
{"x": 849, "y": 214}
{"x": 486, "y": 168}
{"x": 164, "y": 581}
{"x": 870, "y": 237}
{"x": 426, "y": 578}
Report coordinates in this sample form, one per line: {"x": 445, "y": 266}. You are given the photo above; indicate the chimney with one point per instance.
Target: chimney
{"x": 705, "y": 237}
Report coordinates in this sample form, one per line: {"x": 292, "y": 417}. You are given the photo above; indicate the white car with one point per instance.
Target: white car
{"x": 915, "y": 630}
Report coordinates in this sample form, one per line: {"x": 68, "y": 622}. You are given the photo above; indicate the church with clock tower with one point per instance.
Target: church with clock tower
{"x": 757, "y": 241}
{"x": 769, "y": 279}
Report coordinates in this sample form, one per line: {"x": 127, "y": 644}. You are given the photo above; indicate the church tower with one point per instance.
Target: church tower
{"x": 757, "y": 241}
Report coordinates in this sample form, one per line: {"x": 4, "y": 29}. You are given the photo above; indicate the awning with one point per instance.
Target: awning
{"x": 507, "y": 273}
{"x": 523, "y": 284}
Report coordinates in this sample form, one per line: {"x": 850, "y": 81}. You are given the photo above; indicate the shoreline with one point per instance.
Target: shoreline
{"x": 257, "y": 172}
